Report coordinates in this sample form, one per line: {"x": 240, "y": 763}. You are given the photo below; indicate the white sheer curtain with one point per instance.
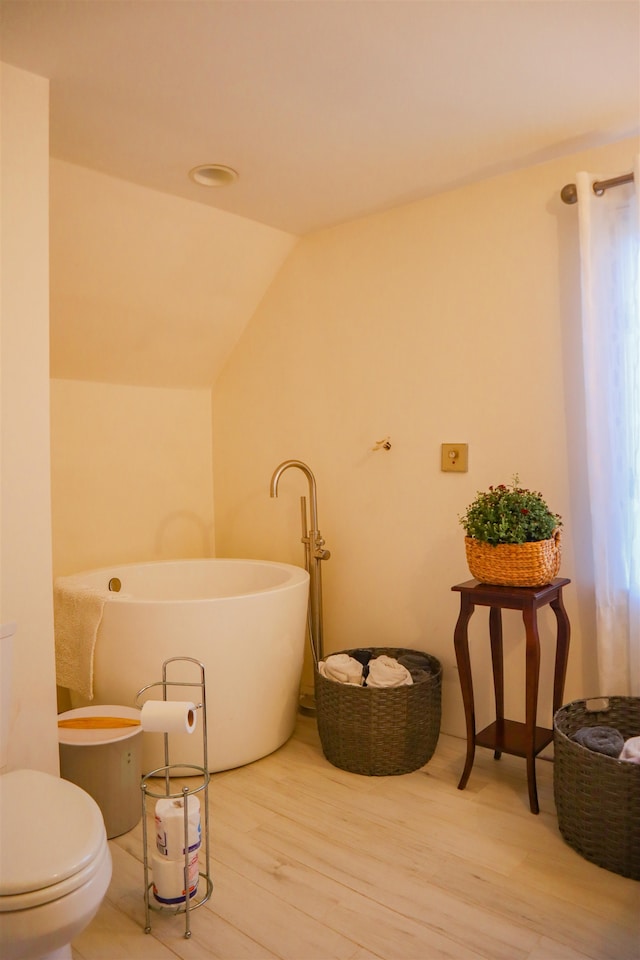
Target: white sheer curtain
{"x": 610, "y": 265}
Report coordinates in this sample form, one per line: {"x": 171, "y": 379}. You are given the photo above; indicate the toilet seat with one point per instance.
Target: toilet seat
{"x": 52, "y": 839}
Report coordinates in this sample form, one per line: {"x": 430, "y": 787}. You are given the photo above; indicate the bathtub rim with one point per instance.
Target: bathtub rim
{"x": 297, "y": 575}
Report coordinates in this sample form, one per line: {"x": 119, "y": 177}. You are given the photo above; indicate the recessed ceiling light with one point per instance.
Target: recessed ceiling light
{"x": 213, "y": 175}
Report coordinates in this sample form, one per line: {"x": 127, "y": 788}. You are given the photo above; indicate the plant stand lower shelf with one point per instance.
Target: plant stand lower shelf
{"x": 509, "y": 736}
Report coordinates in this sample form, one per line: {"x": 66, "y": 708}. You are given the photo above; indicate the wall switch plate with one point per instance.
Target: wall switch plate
{"x": 455, "y": 457}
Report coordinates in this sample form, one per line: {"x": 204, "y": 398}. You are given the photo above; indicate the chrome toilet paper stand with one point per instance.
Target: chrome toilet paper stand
{"x": 199, "y": 777}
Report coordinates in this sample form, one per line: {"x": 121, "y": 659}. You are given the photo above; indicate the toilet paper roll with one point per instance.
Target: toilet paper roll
{"x": 169, "y": 814}
{"x": 169, "y": 885}
{"x": 168, "y": 716}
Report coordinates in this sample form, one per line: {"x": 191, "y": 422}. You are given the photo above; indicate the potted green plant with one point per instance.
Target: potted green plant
{"x": 512, "y": 537}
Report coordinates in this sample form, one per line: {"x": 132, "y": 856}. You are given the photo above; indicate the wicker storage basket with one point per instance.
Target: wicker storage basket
{"x": 598, "y": 797}
{"x": 380, "y": 732}
{"x": 514, "y": 564}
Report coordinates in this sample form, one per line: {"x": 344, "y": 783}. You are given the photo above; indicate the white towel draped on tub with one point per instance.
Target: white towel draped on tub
{"x": 77, "y": 613}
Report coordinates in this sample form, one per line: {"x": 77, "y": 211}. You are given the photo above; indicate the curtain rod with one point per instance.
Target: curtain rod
{"x": 569, "y": 192}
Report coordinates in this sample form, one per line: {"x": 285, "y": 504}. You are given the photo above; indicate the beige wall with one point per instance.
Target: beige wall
{"x": 25, "y": 516}
{"x": 149, "y": 293}
{"x": 131, "y": 475}
{"x": 452, "y": 319}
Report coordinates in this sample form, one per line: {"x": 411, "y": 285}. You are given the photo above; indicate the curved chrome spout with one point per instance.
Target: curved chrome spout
{"x": 312, "y": 487}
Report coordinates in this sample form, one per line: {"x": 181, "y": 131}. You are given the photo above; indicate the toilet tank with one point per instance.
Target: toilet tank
{"x": 7, "y": 630}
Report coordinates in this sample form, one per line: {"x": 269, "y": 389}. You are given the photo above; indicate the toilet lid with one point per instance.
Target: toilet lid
{"x": 50, "y": 830}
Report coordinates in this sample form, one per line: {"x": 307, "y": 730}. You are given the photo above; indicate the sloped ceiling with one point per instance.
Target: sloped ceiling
{"x": 149, "y": 289}
{"x": 327, "y": 110}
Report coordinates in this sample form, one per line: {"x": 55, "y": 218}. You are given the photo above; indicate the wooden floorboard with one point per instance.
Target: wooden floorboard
{"x": 310, "y": 862}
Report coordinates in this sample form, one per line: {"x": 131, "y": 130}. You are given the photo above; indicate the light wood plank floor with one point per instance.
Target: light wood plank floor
{"x": 312, "y": 863}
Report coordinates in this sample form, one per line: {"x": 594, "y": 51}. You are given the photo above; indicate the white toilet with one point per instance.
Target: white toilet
{"x": 55, "y": 864}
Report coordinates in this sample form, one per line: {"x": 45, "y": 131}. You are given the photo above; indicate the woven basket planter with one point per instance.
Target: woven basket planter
{"x": 514, "y": 564}
{"x": 380, "y": 732}
{"x": 598, "y": 797}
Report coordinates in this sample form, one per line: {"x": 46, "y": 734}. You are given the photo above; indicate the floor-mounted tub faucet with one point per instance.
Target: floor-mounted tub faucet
{"x": 314, "y": 552}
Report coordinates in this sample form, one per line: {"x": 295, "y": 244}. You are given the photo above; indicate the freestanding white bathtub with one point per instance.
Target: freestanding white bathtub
{"x": 244, "y": 620}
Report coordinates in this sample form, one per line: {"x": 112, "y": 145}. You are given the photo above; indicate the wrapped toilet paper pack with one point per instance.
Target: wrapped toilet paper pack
{"x": 169, "y": 885}
{"x": 170, "y": 834}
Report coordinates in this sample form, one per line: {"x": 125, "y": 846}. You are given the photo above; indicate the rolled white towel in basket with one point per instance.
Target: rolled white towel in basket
{"x": 385, "y": 671}
{"x": 631, "y": 750}
{"x": 342, "y": 668}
